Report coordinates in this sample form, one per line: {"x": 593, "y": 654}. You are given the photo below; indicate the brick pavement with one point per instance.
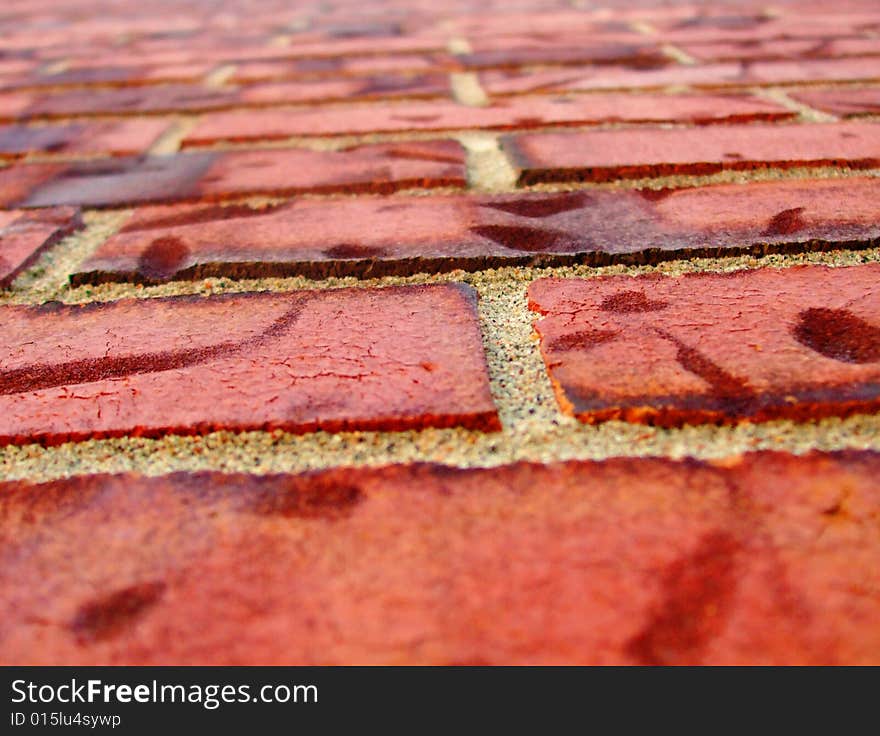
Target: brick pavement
{"x": 685, "y": 195}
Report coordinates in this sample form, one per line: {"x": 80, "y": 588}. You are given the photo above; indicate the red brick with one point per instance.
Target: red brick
{"x": 763, "y": 559}
{"x": 282, "y": 69}
{"x": 705, "y": 30}
{"x": 708, "y": 76}
{"x": 219, "y": 175}
{"x": 843, "y": 101}
{"x": 771, "y": 49}
{"x": 385, "y": 86}
{"x": 693, "y": 30}
{"x": 376, "y": 236}
{"x": 126, "y": 101}
{"x": 113, "y": 75}
{"x": 504, "y": 114}
{"x": 607, "y": 155}
{"x": 333, "y": 360}
{"x": 115, "y": 137}
{"x": 800, "y": 343}
{"x": 24, "y": 235}
{"x": 585, "y": 52}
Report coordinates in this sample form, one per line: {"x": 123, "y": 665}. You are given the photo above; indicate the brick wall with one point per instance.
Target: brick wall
{"x": 408, "y": 332}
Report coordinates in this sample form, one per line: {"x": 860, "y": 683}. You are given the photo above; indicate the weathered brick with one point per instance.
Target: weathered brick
{"x": 218, "y": 175}
{"x": 507, "y": 114}
{"x": 843, "y": 101}
{"x": 707, "y": 29}
{"x": 402, "y": 235}
{"x": 115, "y": 137}
{"x": 586, "y": 52}
{"x": 123, "y": 101}
{"x": 113, "y": 75}
{"x": 771, "y": 49}
{"x": 24, "y": 235}
{"x": 702, "y": 76}
{"x": 607, "y": 155}
{"x": 344, "y": 359}
{"x": 800, "y": 343}
{"x": 281, "y": 69}
{"x": 767, "y": 558}
{"x": 386, "y": 86}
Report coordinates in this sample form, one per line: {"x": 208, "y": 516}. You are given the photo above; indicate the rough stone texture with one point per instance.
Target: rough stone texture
{"x": 629, "y": 154}
{"x": 763, "y": 559}
{"x": 218, "y": 175}
{"x": 797, "y": 343}
{"x": 114, "y": 137}
{"x": 344, "y": 359}
{"x": 846, "y": 101}
{"x": 24, "y": 235}
{"x": 375, "y": 236}
{"x": 502, "y": 115}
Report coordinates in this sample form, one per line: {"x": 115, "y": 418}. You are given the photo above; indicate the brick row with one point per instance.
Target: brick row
{"x": 300, "y": 361}
{"x": 114, "y": 137}
{"x": 608, "y": 155}
{"x": 192, "y": 98}
{"x": 376, "y": 236}
{"x": 772, "y": 49}
{"x": 218, "y": 175}
{"x": 764, "y": 559}
{"x": 845, "y": 101}
{"x": 513, "y": 113}
{"x": 705, "y": 76}
{"x": 799, "y": 343}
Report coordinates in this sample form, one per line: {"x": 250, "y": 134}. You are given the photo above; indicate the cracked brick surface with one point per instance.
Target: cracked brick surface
{"x": 756, "y": 344}
{"x": 347, "y": 359}
{"x": 765, "y": 559}
{"x": 403, "y": 235}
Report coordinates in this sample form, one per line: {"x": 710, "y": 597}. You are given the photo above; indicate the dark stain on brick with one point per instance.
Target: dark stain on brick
{"x": 581, "y": 340}
{"x": 736, "y": 391}
{"x": 420, "y": 154}
{"x": 625, "y": 302}
{"x": 388, "y": 84}
{"x": 353, "y": 250}
{"x": 163, "y": 257}
{"x": 109, "y": 615}
{"x": 838, "y": 334}
{"x": 542, "y": 206}
{"x": 529, "y": 239}
{"x": 416, "y": 118}
{"x": 655, "y": 195}
{"x": 199, "y": 216}
{"x": 696, "y": 592}
{"x": 316, "y": 497}
{"x": 786, "y": 222}
{"x": 42, "y": 376}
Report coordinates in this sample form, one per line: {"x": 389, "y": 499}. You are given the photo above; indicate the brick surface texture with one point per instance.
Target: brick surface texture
{"x": 713, "y": 347}
{"x": 512, "y": 300}
{"x": 767, "y": 560}
{"x": 307, "y": 360}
